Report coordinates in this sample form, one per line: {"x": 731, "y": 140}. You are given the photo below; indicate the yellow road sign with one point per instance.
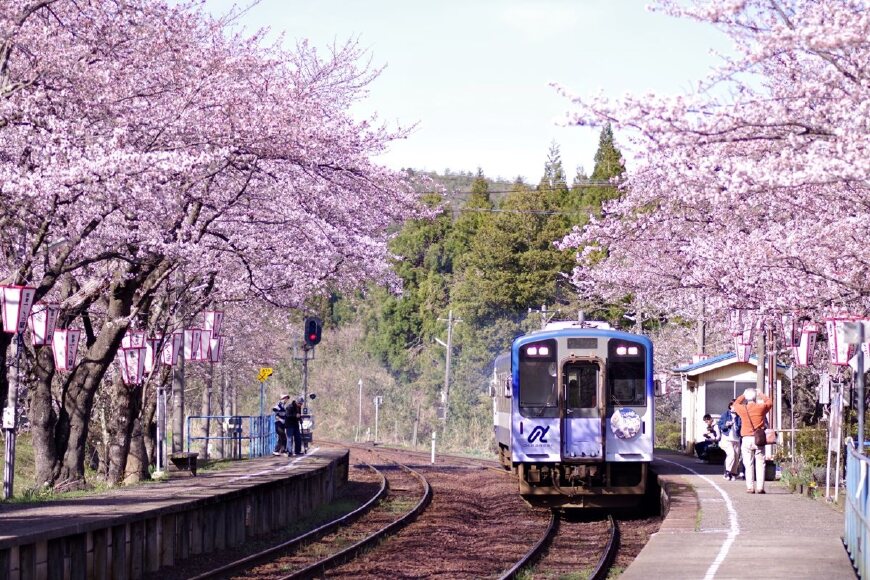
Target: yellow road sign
{"x": 264, "y": 374}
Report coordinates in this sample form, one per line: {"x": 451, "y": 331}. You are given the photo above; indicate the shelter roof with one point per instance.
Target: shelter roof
{"x": 719, "y": 361}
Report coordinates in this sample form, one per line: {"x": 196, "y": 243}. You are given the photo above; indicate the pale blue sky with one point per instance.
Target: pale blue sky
{"x": 474, "y": 75}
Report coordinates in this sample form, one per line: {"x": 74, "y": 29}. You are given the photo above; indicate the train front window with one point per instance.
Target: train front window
{"x": 537, "y": 369}
{"x": 626, "y": 373}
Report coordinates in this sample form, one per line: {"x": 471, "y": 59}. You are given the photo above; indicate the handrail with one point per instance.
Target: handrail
{"x": 257, "y": 430}
{"x": 857, "y": 510}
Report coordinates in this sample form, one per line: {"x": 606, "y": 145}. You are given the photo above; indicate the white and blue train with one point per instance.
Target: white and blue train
{"x": 574, "y": 414}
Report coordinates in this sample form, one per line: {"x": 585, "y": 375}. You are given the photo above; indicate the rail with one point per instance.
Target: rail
{"x": 284, "y": 547}
{"x": 857, "y": 533}
{"x": 532, "y": 555}
{"x": 240, "y": 435}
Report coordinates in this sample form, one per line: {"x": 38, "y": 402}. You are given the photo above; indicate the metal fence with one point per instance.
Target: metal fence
{"x": 857, "y": 535}
{"x": 238, "y": 435}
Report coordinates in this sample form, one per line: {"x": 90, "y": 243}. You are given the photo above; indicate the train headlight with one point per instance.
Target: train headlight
{"x": 623, "y": 350}
{"x": 538, "y": 350}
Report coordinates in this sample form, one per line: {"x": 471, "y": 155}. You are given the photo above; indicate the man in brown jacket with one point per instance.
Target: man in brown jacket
{"x": 752, "y": 414}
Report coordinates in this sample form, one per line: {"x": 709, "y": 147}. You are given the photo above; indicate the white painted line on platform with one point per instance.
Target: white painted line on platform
{"x": 734, "y": 527}
{"x": 274, "y": 469}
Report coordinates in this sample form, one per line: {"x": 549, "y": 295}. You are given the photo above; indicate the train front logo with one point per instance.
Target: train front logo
{"x": 539, "y": 434}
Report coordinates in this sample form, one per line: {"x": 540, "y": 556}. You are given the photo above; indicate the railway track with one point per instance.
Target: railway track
{"x": 343, "y": 538}
{"x": 603, "y": 564}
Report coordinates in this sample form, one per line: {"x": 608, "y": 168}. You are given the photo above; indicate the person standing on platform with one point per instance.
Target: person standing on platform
{"x": 280, "y": 411}
{"x": 293, "y": 433}
{"x": 729, "y": 425}
{"x": 752, "y": 408}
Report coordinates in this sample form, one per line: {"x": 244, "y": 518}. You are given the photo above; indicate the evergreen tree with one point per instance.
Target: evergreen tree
{"x": 608, "y": 164}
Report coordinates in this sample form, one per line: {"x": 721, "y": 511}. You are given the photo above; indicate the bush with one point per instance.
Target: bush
{"x": 668, "y": 435}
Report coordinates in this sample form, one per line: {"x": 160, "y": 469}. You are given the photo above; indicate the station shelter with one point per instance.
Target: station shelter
{"x": 709, "y": 384}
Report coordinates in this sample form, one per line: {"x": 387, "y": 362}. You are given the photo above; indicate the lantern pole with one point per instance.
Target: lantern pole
{"x": 10, "y": 420}
{"x": 860, "y": 384}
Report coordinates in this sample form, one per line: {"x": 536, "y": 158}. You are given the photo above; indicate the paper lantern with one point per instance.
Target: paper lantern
{"x": 192, "y": 343}
{"x": 803, "y": 353}
{"x": 172, "y": 347}
{"x": 42, "y": 321}
{"x": 152, "y": 352}
{"x": 133, "y": 338}
{"x": 216, "y": 349}
{"x": 743, "y": 351}
{"x": 791, "y": 330}
{"x": 65, "y": 346}
{"x": 204, "y": 345}
{"x": 132, "y": 362}
{"x": 839, "y": 350}
{"x": 213, "y": 320}
{"x": 16, "y": 304}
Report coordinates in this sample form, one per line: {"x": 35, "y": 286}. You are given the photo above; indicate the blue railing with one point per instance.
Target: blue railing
{"x": 243, "y": 436}
{"x": 857, "y": 536}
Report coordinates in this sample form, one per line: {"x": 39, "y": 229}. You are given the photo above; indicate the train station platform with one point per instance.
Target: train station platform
{"x": 715, "y": 529}
{"x": 127, "y": 532}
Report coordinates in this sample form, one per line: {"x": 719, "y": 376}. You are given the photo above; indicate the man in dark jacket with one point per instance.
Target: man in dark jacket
{"x": 293, "y": 412}
{"x": 280, "y": 411}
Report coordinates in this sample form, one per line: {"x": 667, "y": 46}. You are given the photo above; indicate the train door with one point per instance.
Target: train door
{"x": 584, "y": 402}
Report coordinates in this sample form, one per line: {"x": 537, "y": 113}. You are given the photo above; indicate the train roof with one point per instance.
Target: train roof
{"x": 577, "y": 330}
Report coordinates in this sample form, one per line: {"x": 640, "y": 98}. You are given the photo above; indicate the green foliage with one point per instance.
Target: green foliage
{"x": 812, "y": 446}
{"x": 668, "y": 435}
{"x": 489, "y": 258}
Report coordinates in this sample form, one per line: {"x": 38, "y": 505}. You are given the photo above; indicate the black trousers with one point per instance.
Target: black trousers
{"x": 295, "y": 435}
{"x": 281, "y": 446}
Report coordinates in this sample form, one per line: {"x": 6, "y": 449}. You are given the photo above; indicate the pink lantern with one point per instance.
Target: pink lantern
{"x": 791, "y": 331}
{"x": 216, "y": 350}
{"x": 743, "y": 351}
{"x": 213, "y": 320}
{"x": 65, "y": 346}
{"x": 42, "y": 321}
{"x": 152, "y": 350}
{"x": 133, "y": 338}
{"x": 16, "y": 304}
{"x": 204, "y": 345}
{"x": 172, "y": 348}
{"x": 839, "y": 350}
{"x": 803, "y": 353}
{"x": 132, "y": 362}
{"x": 192, "y": 343}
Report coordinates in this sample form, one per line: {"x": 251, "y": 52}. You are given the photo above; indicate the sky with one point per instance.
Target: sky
{"x": 473, "y": 77}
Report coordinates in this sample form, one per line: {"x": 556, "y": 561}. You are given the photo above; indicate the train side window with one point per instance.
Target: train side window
{"x": 507, "y": 386}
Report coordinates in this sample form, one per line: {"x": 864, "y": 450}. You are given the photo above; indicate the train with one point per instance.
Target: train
{"x": 574, "y": 414}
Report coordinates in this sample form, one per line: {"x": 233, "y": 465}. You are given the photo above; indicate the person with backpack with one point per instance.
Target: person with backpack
{"x": 729, "y": 425}
{"x": 293, "y": 434}
{"x": 280, "y": 411}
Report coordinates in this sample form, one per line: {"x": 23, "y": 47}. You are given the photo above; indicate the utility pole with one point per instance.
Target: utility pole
{"x": 359, "y": 419}
{"x": 378, "y": 400}
{"x": 445, "y": 392}
{"x": 10, "y": 418}
{"x": 546, "y": 315}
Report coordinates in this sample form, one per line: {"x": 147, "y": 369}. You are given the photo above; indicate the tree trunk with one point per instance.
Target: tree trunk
{"x": 126, "y": 403}
{"x": 205, "y": 411}
{"x": 137, "y": 458}
{"x": 81, "y": 386}
{"x": 43, "y": 419}
{"x": 5, "y": 341}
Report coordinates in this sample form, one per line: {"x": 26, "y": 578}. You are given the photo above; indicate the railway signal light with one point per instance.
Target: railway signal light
{"x": 313, "y": 327}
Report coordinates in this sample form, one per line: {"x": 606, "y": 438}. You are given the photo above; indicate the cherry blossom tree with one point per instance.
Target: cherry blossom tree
{"x": 753, "y": 191}
{"x": 145, "y": 146}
